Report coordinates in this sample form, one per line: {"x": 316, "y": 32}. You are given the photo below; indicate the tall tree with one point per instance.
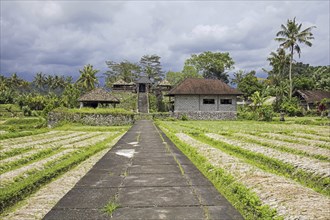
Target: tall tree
{"x": 39, "y": 80}
{"x": 124, "y": 70}
{"x": 212, "y": 65}
{"x": 88, "y": 78}
{"x": 289, "y": 36}
{"x": 280, "y": 62}
{"x": 247, "y": 83}
{"x": 150, "y": 65}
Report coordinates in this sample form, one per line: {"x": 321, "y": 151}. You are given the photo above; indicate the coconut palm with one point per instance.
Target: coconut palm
{"x": 39, "y": 80}
{"x": 289, "y": 36}
{"x": 279, "y": 60}
{"x": 88, "y": 77}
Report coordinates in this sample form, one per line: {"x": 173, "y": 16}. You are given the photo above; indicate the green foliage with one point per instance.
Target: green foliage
{"x": 128, "y": 100}
{"x": 124, "y": 70}
{"x": 291, "y": 107}
{"x": 184, "y": 117}
{"x": 247, "y": 83}
{"x": 150, "y": 65}
{"x": 22, "y": 124}
{"x": 266, "y": 113}
{"x": 152, "y": 103}
{"x": 212, "y": 65}
{"x": 262, "y": 113}
{"x": 188, "y": 72}
{"x": 70, "y": 96}
{"x": 289, "y": 36}
{"x": 88, "y": 78}
{"x": 26, "y": 111}
{"x": 110, "y": 207}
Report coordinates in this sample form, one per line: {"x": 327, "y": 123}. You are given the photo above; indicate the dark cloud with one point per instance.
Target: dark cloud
{"x": 62, "y": 36}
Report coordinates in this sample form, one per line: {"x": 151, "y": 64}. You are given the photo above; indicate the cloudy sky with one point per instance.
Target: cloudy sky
{"x": 60, "y": 37}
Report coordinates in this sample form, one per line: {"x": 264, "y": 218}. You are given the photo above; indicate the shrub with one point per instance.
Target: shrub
{"x": 184, "y": 117}
{"x": 26, "y": 110}
{"x": 291, "y": 107}
{"x": 266, "y": 113}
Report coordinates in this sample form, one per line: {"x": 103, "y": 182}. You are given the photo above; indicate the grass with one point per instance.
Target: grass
{"x": 110, "y": 207}
{"x": 248, "y": 203}
{"x": 23, "y": 185}
{"x": 80, "y": 127}
{"x": 243, "y": 199}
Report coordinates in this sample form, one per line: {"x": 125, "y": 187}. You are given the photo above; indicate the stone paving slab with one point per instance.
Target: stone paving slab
{"x": 76, "y": 214}
{"x": 141, "y": 173}
{"x": 155, "y": 160}
{"x": 154, "y": 168}
{"x": 88, "y": 198}
{"x": 163, "y": 179}
{"x": 178, "y": 213}
{"x": 157, "y": 196}
{"x": 100, "y": 181}
{"x": 222, "y": 212}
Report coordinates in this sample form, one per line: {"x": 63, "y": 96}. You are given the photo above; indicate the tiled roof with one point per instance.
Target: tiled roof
{"x": 192, "y": 86}
{"x": 98, "y": 95}
{"x": 313, "y": 96}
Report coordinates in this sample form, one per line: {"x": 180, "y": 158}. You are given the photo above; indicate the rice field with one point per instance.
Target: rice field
{"x": 266, "y": 170}
{"x": 29, "y": 164}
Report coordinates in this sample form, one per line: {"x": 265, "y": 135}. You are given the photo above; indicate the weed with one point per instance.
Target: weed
{"x": 110, "y": 207}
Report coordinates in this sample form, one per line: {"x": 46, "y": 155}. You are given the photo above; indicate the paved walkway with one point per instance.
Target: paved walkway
{"x": 142, "y": 175}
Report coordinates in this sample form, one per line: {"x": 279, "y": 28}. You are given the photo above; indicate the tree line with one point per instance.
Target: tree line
{"x": 285, "y": 75}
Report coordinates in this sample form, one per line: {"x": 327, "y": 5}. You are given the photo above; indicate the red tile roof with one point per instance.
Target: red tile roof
{"x": 193, "y": 86}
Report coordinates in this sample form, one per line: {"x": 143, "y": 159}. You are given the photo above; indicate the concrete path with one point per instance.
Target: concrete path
{"x": 142, "y": 174}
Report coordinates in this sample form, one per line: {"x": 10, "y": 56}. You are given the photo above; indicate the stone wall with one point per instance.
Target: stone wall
{"x": 90, "y": 119}
{"x": 199, "y": 115}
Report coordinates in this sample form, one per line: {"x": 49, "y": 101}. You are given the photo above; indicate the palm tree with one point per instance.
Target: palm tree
{"x": 279, "y": 60}
{"x": 39, "y": 80}
{"x": 88, "y": 77}
{"x": 290, "y": 36}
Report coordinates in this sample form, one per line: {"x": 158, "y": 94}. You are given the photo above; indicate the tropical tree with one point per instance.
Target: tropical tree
{"x": 39, "y": 80}
{"x": 150, "y": 65}
{"x": 247, "y": 83}
{"x": 289, "y": 36}
{"x": 124, "y": 70}
{"x": 88, "y": 78}
{"x": 212, "y": 65}
{"x": 280, "y": 62}
{"x": 188, "y": 72}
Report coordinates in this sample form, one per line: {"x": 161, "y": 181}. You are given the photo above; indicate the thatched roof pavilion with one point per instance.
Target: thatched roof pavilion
{"x": 98, "y": 96}
{"x": 122, "y": 85}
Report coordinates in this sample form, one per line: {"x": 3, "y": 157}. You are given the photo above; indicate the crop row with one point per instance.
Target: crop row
{"x": 252, "y": 136}
{"x": 257, "y": 169}
{"x": 29, "y": 175}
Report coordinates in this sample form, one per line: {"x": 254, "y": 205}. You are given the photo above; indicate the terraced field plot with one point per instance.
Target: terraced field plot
{"x": 28, "y": 163}
{"x": 266, "y": 170}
